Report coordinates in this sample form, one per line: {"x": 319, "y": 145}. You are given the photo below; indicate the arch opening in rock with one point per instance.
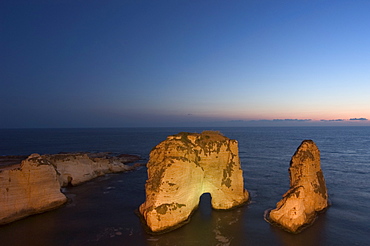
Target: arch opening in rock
{"x": 205, "y": 206}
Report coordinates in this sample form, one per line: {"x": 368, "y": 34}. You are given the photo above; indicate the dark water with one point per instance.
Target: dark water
{"x": 101, "y": 212}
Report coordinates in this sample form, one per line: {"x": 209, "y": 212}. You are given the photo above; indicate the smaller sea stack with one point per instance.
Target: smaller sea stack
{"x": 307, "y": 194}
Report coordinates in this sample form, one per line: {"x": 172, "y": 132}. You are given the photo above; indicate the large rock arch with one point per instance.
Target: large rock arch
{"x": 185, "y": 166}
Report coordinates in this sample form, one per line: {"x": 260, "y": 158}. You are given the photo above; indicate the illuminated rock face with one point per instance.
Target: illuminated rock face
{"x": 185, "y": 166}
{"x": 307, "y": 194}
{"x": 29, "y": 188}
{"x": 76, "y": 168}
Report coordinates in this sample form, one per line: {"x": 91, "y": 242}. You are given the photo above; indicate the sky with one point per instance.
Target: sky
{"x": 77, "y": 63}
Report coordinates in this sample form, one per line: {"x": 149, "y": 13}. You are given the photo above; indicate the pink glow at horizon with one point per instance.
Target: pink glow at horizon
{"x": 184, "y": 63}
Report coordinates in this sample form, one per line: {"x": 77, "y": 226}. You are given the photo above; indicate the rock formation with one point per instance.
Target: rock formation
{"x": 76, "y": 168}
{"x": 307, "y": 194}
{"x": 29, "y": 188}
{"x": 34, "y": 185}
{"x": 182, "y": 168}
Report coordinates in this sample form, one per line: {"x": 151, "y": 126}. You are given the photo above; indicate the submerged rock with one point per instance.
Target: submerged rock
{"x": 182, "y": 168}
{"x": 29, "y": 188}
{"x": 307, "y": 194}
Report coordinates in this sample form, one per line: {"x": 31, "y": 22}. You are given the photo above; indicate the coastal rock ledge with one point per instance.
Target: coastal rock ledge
{"x": 307, "y": 194}
{"x": 76, "y": 168}
{"x": 182, "y": 168}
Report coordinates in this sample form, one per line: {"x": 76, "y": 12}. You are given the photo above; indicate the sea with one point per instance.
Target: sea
{"x": 102, "y": 211}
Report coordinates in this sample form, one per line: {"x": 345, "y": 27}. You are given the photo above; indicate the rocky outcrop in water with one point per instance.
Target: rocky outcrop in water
{"x": 182, "y": 168}
{"x": 307, "y": 194}
{"x": 33, "y": 186}
{"x": 76, "y": 168}
{"x": 29, "y": 188}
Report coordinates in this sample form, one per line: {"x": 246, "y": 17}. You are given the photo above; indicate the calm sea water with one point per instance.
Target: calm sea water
{"x": 101, "y": 212}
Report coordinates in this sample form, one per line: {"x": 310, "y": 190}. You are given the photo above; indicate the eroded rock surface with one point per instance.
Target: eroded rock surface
{"x": 307, "y": 194}
{"x": 182, "y": 168}
{"x": 29, "y": 188}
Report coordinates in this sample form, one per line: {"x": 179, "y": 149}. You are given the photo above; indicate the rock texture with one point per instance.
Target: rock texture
{"x": 307, "y": 194}
{"x": 182, "y": 168}
{"x": 29, "y": 188}
{"x": 76, "y": 168}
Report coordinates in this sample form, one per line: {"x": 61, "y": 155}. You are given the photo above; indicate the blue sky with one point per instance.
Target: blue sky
{"x": 184, "y": 63}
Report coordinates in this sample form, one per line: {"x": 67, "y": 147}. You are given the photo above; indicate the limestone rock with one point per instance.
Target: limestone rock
{"x": 76, "y": 168}
{"x": 29, "y": 188}
{"x": 307, "y": 194}
{"x": 182, "y": 168}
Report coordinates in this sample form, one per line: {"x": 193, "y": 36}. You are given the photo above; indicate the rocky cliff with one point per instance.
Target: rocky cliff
{"x": 307, "y": 194}
{"x": 182, "y": 168}
{"x": 29, "y": 188}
